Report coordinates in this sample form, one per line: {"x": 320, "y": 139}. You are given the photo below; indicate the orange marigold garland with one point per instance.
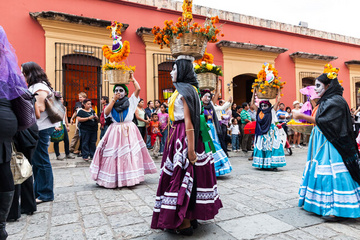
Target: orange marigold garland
{"x": 185, "y": 25}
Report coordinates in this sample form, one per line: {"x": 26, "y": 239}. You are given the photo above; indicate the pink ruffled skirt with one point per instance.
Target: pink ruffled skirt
{"x": 121, "y": 157}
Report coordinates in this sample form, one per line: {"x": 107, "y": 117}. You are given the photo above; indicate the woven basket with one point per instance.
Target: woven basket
{"x": 270, "y": 93}
{"x": 189, "y": 44}
{"x": 207, "y": 81}
{"x": 305, "y": 129}
{"x": 118, "y": 76}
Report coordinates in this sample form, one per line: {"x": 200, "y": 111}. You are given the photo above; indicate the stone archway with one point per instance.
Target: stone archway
{"x": 242, "y": 87}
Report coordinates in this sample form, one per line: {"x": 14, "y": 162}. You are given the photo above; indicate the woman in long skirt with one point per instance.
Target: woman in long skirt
{"x": 121, "y": 158}
{"x": 330, "y": 183}
{"x": 268, "y": 148}
{"x": 221, "y": 161}
{"x": 187, "y": 188}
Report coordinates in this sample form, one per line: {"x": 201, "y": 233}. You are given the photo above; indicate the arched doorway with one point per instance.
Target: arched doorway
{"x": 242, "y": 87}
{"x": 81, "y": 73}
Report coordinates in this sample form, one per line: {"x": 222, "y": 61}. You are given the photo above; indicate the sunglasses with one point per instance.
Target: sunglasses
{"x": 263, "y": 105}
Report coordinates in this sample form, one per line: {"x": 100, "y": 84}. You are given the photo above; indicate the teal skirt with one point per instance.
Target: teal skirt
{"x": 269, "y": 150}
{"x": 221, "y": 161}
{"x": 327, "y": 187}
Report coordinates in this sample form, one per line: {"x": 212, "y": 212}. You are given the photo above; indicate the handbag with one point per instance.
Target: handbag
{"x": 54, "y": 107}
{"x": 20, "y": 166}
{"x": 58, "y": 135}
{"x": 23, "y": 108}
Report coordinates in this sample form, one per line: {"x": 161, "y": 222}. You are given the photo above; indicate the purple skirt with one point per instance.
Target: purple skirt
{"x": 176, "y": 183}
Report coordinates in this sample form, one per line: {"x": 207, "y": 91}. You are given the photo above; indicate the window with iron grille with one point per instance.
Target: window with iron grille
{"x": 163, "y": 87}
{"x": 308, "y": 79}
{"x": 78, "y": 69}
{"x": 356, "y": 80}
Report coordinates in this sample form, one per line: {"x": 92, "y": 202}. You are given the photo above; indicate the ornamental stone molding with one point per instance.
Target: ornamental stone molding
{"x": 245, "y": 19}
{"x": 70, "y": 18}
{"x": 352, "y": 62}
{"x": 313, "y": 56}
{"x": 251, "y": 46}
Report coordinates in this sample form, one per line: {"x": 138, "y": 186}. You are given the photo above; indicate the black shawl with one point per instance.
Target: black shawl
{"x": 185, "y": 83}
{"x": 333, "y": 118}
{"x": 263, "y": 125}
{"x": 121, "y": 104}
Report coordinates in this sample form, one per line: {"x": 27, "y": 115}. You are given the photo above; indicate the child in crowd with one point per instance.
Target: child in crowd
{"x": 76, "y": 138}
{"x": 235, "y": 135}
{"x": 155, "y": 133}
{"x": 163, "y": 119}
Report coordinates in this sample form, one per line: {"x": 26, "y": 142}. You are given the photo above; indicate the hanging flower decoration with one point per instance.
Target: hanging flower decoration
{"x": 185, "y": 25}
{"x": 206, "y": 65}
{"x": 267, "y": 77}
{"x": 120, "y": 51}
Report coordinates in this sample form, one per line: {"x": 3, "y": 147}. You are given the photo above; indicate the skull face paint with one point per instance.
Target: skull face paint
{"x": 264, "y": 106}
{"x": 319, "y": 88}
{"x": 206, "y": 98}
{"x": 173, "y": 73}
{"x": 121, "y": 91}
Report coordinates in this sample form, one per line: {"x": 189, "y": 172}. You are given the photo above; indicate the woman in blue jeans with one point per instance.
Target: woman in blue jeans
{"x": 88, "y": 129}
{"x": 43, "y": 176}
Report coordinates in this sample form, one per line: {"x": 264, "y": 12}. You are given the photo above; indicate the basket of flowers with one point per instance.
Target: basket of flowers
{"x": 118, "y": 73}
{"x": 185, "y": 37}
{"x": 304, "y": 128}
{"x": 207, "y": 72}
{"x": 268, "y": 82}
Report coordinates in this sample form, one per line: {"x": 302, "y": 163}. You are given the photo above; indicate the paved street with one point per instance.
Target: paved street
{"x": 258, "y": 204}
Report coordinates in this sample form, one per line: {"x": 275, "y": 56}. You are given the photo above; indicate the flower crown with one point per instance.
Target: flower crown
{"x": 331, "y": 72}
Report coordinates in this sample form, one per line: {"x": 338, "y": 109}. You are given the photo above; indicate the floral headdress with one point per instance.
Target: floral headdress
{"x": 267, "y": 77}
{"x": 331, "y": 72}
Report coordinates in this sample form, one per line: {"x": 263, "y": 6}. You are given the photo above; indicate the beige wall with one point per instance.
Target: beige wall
{"x": 354, "y": 71}
{"x": 152, "y": 48}
{"x": 63, "y": 32}
{"x": 243, "y": 61}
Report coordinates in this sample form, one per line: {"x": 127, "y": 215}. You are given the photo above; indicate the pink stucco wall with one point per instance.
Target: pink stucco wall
{"x": 27, "y": 36}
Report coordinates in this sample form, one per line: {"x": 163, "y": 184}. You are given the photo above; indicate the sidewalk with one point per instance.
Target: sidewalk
{"x": 258, "y": 204}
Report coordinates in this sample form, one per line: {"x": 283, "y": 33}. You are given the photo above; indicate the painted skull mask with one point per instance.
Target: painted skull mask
{"x": 206, "y": 98}
{"x": 173, "y": 73}
{"x": 319, "y": 88}
{"x": 121, "y": 91}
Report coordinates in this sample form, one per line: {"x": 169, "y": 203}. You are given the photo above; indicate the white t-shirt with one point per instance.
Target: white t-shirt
{"x": 358, "y": 118}
{"x": 43, "y": 122}
{"x": 133, "y": 102}
{"x": 234, "y": 129}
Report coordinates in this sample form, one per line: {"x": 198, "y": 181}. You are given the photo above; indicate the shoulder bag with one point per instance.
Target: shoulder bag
{"x": 20, "y": 166}
{"x": 54, "y": 107}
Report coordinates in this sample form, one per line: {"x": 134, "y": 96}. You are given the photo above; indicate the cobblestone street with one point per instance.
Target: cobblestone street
{"x": 258, "y": 204}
